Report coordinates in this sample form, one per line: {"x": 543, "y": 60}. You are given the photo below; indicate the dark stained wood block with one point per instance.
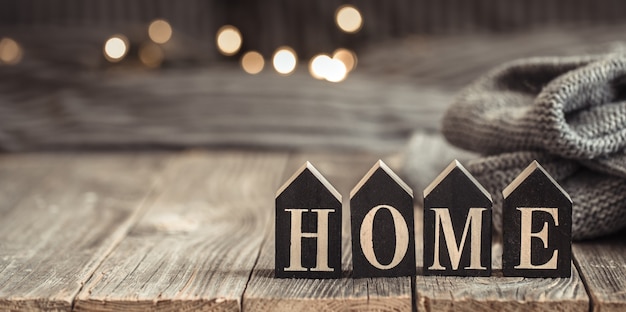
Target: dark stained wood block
{"x": 382, "y": 223}
{"x": 537, "y": 226}
{"x": 457, "y": 225}
{"x": 308, "y": 227}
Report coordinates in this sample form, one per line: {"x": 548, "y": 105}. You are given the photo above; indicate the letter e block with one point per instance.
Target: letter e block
{"x": 382, "y": 222}
{"x": 537, "y": 226}
{"x": 457, "y": 225}
{"x": 308, "y": 227}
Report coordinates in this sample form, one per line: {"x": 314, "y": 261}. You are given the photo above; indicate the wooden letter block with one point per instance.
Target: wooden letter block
{"x": 457, "y": 225}
{"x": 308, "y": 227}
{"x": 537, "y": 226}
{"x": 382, "y": 221}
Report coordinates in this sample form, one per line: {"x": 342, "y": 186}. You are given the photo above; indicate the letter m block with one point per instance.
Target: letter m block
{"x": 457, "y": 225}
{"x": 308, "y": 227}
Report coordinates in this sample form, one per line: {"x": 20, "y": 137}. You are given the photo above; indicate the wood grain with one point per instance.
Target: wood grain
{"x": 61, "y": 215}
{"x": 164, "y": 232}
{"x": 498, "y": 293}
{"x": 19, "y": 175}
{"x": 222, "y": 106}
{"x": 195, "y": 247}
{"x": 602, "y": 264}
{"x": 265, "y": 292}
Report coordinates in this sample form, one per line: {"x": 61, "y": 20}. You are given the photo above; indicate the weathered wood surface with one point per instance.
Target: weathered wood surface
{"x": 61, "y": 216}
{"x": 602, "y": 263}
{"x": 195, "y": 247}
{"x": 193, "y": 231}
{"x": 265, "y": 292}
{"x": 498, "y": 293}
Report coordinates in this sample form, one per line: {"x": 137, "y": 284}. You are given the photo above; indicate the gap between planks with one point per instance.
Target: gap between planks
{"x": 196, "y": 244}
{"x": 264, "y": 292}
{"x": 342, "y": 170}
{"x": 602, "y": 263}
{"x": 418, "y": 293}
{"x": 74, "y": 210}
{"x": 496, "y": 292}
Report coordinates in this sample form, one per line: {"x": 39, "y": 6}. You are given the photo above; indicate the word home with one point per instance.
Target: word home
{"x": 457, "y": 229}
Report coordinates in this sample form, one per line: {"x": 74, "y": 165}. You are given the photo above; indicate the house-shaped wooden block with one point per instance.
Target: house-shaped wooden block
{"x": 308, "y": 227}
{"x": 382, "y": 223}
{"x": 457, "y": 225}
{"x": 537, "y": 226}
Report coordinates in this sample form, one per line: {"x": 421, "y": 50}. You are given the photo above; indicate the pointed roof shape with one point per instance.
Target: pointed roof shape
{"x": 308, "y": 166}
{"x": 533, "y": 167}
{"x": 381, "y": 165}
{"x": 454, "y": 165}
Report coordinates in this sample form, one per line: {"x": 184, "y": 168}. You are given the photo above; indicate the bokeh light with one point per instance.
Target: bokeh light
{"x": 318, "y": 67}
{"x": 347, "y": 57}
{"x": 348, "y": 18}
{"x": 285, "y": 60}
{"x": 330, "y": 69}
{"x": 151, "y": 55}
{"x": 10, "y": 51}
{"x": 252, "y": 62}
{"x": 228, "y": 40}
{"x": 160, "y": 31}
{"x": 336, "y": 71}
{"x": 116, "y": 48}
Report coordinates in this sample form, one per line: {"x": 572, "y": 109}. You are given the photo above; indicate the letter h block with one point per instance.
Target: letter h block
{"x": 382, "y": 222}
{"x": 308, "y": 227}
{"x": 537, "y": 226}
{"x": 457, "y": 225}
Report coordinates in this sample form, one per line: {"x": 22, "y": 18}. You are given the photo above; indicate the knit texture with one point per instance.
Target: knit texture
{"x": 567, "y": 113}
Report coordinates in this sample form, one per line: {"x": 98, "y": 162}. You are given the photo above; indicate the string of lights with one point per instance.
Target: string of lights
{"x": 332, "y": 67}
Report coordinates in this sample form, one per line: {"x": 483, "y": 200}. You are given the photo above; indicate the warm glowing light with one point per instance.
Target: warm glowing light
{"x": 349, "y": 19}
{"x": 323, "y": 67}
{"x": 336, "y": 71}
{"x": 228, "y": 40}
{"x": 10, "y": 51}
{"x": 285, "y": 60}
{"x": 151, "y": 55}
{"x": 347, "y": 57}
{"x": 160, "y": 31}
{"x": 252, "y": 62}
{"x": 319, "y": 66}
{"x": 115, "y": 48}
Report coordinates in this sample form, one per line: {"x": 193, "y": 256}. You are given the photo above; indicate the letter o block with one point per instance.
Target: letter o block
{"x": 382, "y": 222}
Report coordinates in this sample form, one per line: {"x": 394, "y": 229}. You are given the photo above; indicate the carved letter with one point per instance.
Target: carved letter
{"x": 527, "y": 235}
{"x": 443, "y": 223}
{"x": 402, "y": 237}
{"x": 295, "y": 256}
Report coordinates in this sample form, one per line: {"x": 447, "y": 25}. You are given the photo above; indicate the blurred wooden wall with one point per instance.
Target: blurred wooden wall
{"x": 308, "y": 25}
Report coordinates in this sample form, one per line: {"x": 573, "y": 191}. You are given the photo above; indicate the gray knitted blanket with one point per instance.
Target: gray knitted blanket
{"x": 567, "y": 113}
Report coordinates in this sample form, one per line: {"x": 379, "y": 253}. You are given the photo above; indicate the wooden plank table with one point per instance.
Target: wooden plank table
{"x": 193, "y": 231}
